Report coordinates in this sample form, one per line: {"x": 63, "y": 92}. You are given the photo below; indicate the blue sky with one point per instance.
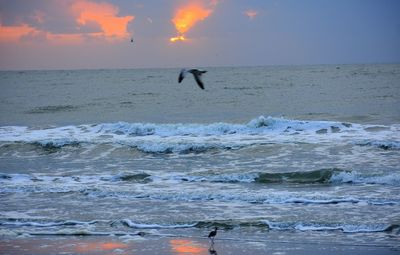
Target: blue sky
{"x": 75, "y": 34}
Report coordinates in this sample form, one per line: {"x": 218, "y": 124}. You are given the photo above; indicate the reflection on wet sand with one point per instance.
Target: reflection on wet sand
{"x": 211, "y": 250}
{"x": 47, "y": 246}
{"x": 102, "y": 246}
{"x": 185, "y": 247}
{"x": 95, "y": 246}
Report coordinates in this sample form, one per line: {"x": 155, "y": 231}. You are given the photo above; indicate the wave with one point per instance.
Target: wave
{"x": 52, "y": 109}
{"x": 27, "y": 223}
{"x": 385, "y": 145}
{"x": 316, "y": 176}
{"x": 74, "y": 227}
{"x": 273, "y": 198}
{"x": 335, "y": 176}
{"x": 260, "y": 125}
{"x": 308, "y": 177}
{"x": 73, "y": 180}
{"x": 191, "y": 137}
{"x": 356, "y": 178}
{"x": 328, "y": 176}
{"x": 301, "y": 226}
{"x": 345, "y": 228}
{"x": 131, "y": 224}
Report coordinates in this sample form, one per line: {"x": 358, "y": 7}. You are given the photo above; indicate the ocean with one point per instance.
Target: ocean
{"x": 282, "y": 154}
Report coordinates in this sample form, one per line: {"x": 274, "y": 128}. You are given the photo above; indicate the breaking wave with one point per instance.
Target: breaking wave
{"x": 73, "y": 227}
{"x": 131, "y": 224}
{"x": 120, "y": 186}
{"x": 345, "y": 228}
{"x": 28, "y": 223}
{"x": 188, "y": 138}
{"x": 328, "y": 176}
{"x": 385, "y": 145}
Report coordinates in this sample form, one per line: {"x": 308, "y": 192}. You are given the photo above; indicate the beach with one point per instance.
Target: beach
{"x": 282, "y": 159}
{"x": 177, "y": 246}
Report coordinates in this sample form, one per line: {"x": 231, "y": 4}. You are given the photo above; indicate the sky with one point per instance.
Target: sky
{"x": 91, "y": 34}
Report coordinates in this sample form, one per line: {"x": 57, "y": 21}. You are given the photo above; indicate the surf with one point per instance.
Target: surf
{"x": 198, "y": 138}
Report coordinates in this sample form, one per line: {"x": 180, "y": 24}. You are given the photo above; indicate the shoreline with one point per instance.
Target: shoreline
{"x": 175, "y": 245}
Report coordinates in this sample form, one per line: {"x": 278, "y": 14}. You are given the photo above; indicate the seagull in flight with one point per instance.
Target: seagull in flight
{"x": 196, "y": 74}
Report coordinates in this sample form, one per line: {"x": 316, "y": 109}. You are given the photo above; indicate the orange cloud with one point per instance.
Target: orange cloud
{"x": 105, "y": 15}
{"x": 85, "y": 13}
{"x": 27, "y": 33}
{"x": 65, "y": 38}
{"x": 15, "y": 33}
{"x": 187, "y": 16}
{"x": 251, "y": 14}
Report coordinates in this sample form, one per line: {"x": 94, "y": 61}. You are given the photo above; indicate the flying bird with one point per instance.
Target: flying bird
{"x": 196, "y": 74}
{"x": 213, "y": 234}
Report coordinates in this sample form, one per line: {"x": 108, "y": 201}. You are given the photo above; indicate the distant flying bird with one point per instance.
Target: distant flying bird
{"x": 196, "y": 74}
{"x": 131, "y": 40}
{"x": 213, "y": 234}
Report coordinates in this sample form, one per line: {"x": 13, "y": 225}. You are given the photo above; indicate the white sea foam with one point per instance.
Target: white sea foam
{"x": 149, "y": 193}
{"x": 355, "y": 177}
{"x": 386, "y": 145}
{"x": 161, "y": 138}
{"x": 332, "y": 176}
{"x": 345, "y": 228}
{"x": 23, "y": 223}
{"x": 132, "y": 224}
{"x": 247, "y": 197}
{"x": 146, "y": 187}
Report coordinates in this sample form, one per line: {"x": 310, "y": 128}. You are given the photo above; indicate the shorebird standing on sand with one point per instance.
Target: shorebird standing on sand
{"x": 196, "y": 74}
{"x": 213, "y": 234}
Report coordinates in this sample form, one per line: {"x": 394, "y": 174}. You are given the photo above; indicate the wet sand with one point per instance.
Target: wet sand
{"x": 45, "y": 245}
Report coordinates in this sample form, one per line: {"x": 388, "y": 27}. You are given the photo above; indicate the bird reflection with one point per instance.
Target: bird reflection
{"x": 211, "y": 250}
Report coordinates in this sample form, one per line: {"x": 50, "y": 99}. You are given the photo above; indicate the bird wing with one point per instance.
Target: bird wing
{"x": 182, "y": 75}
{"x": 198, "y": 80}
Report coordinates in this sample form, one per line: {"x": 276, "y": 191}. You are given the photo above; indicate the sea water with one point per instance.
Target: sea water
{"x": 306, "y": 154}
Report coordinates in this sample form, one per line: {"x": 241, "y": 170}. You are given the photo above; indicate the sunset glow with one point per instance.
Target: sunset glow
{"x": 251, "y": 14}
{"x": 73, "y": 34}
{"x": 177, "y": 38}
{"x": 187, "y": 16}
{"x": 181, "y": 247}
{"x": 97, "y": 20}
{"x": 26, "y": 34}
{"x": 15, "y": 33}
{"x": 105, "y": 15}
{"x": 99, "y": 246}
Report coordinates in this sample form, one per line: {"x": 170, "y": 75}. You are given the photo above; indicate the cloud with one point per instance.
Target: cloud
{"x": 38, "y": 16}
{"x": 188, "y": 15}
{"x": 26, "y": 33}
{"x": 71, "y": 22}
{"x": 15, "y": 33}
{"x": 251, "y": 14}
{"x": 103, "y": 14}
